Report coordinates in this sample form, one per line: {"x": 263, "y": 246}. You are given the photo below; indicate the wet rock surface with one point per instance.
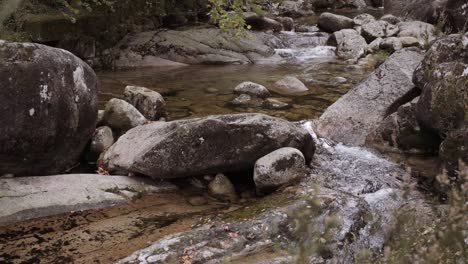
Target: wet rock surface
{"x": 349, "y": 44}
{"x": 253, "y": 89}
{"x": 330, "y": 22}
{"x": 41, "y": 84}
{"x": 149, "y": 103}
{"x": 289, "y": 85}
{"x": 195, "y": 46}
{"x": 354, "y": 115}
{"x": 205, "y": 145}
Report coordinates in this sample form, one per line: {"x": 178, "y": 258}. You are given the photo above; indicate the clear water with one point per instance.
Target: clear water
{"x": 201, "y": 90}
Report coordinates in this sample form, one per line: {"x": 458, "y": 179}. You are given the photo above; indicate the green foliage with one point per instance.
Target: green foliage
{"x": 227, "y": 14}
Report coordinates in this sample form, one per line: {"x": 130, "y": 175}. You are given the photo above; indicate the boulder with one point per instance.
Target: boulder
{"x": 122, "y": 116}
{"x": 390, "y": 19}
{"x": 287, "y": 22}
{"x": 378, "y": 29}
{"x": 281, "y": 167}
{"x": 363, "y": 19}
{"x": 443, "y": 105}
{"x": 149, "y": 103}
{"x": 289, "y": 85}
{"x": 246, "y": 100}
{"x": 409, "y": 42}
{"x": 401, "y": 132}
{"x": 334, "y": 4}
{"x": 196, "y": 46}
{"x": 457, "y": 15}
{"x": 448, "y": 49}
{"x": 49, "y": 109}
{"x": 222, "y": 188}
{"x": 330, "y": 22}
{"x": 25, "y": 198}
{"x": 253, "y": 89}
{"x": 374, "y": 46}
{"x": 349, "y": 44}
{"x": 274, "y": 104}
{"x": 204, "y": 145}
{"x": 424, "y": 32}
{"x": 391, "y": 44}
{"x": 262, "y": 23}
{"x": 423, "y": 10}
{"x": 101, "y": 140}
{"x": 357, "y": 113}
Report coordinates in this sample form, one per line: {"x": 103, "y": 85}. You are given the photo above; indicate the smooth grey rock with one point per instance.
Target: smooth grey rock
{"x": 100, "y": 117}
{"x": 294, "y": 9}
{"x": 26, "y": 198}
{"x": 204, "y": 145}
{"x": 281, "y": 167}
{"x": 262, "y": 23}
{"x": 330, "y": 22}
{"x": 287, "y": 22}
{"x": 349, "y": 44}
{"x": 196, "y": 46}
{"x": 374, "y": 46}
{"x": 409, "y": 42}
{"x": 149, "y": 103}
{"x": 378, "y": 29}
{"x": 222, "y": 188}
{"x": 48, "y": 110}
{"x": 363, "y": 19}
{"x": 274, "y": 104}
{"x": 246, "y": 100}
{"x": 391, "y": 44}
{"x": 391, "y": 19}
{"x": 253, "y": 89}
{"x": 101, "y": 140}
{"x": 122, "y": 116}
{"x": 289, "y": 85}
{"x": 353, "y": 116}
{"x": 338, "y": 80}
{"x": 424, "y": 32}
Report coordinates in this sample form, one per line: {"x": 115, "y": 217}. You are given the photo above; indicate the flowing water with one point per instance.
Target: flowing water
{"x": 201, "y": 90}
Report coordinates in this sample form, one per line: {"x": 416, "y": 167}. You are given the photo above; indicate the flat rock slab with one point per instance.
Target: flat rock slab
{"x": 33, "y": 197}
{"x": 353, "y": 116}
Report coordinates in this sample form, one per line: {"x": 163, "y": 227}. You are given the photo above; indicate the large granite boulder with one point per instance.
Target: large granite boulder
{"x": 357, "y": 113}
{"x": 378, "y": 29}
{"x": 330, "y": 22}
{"x": 349, "y": 44}
{"x": 204, "y": 145}
{"x": 49, "y": 108}
{"x": 195, "y": 46}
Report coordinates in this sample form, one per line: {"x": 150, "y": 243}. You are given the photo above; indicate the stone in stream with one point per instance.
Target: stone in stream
{"x": 349, "y": 44}
{"x": 26, "y": 198}
{"x": 294, "y": 9}
{"x": 222, "y": 188}
{"x": 122, "y": 116}
{"x": 149, "y": 103}
{"x": 261, "y": 23}
{"x": 391, "y": 19}
{"x": 101, "y": 140}
{"x": 378, "y": 29}
{"x": 253, "y": 89}
{"x": 363, "y": 19}
{"x": 353, "y": 116}
{"x": 271, "y": 103}
{"x": 374, "y": 46}
{"x": 197, "y": 46}
{"x": 289, "y": 85}
{"x": 281, "y": 167}
{"x": 330, "y": 22}
{"x": 424, "y": 32}
{"x": 391, "y": 44}
{"x": 49, "y": 109}
{"x": 204, "y": 145}
{"x": 287, "y": 22}
{"x": 246, "y": 100}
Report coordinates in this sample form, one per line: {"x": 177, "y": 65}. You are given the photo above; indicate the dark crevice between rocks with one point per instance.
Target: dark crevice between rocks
{"x": 406, "y": 98}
